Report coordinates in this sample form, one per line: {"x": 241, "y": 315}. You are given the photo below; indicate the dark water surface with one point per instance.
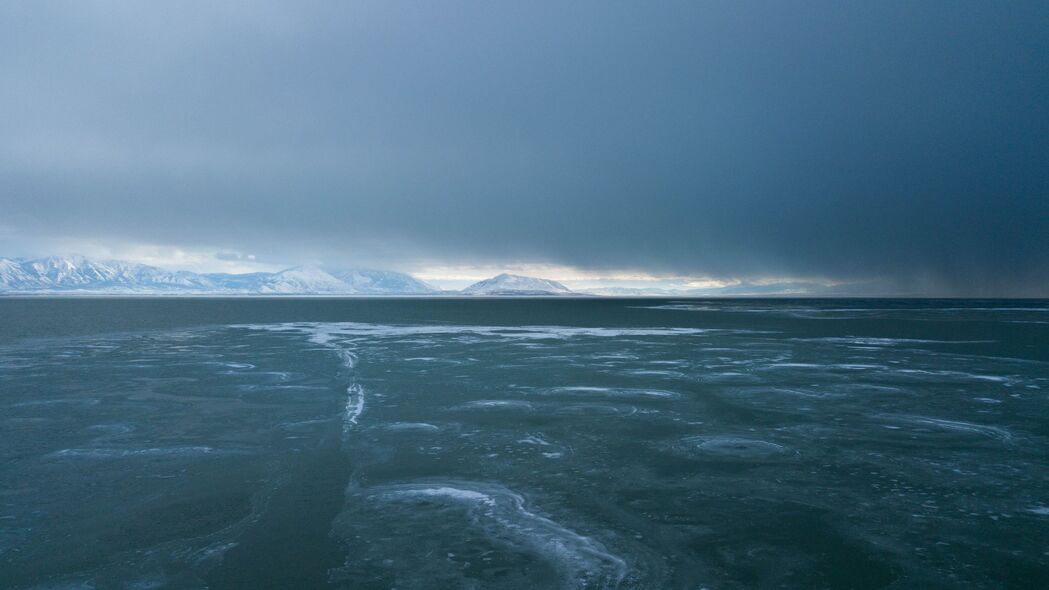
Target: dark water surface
{"x": 322, "y": 443}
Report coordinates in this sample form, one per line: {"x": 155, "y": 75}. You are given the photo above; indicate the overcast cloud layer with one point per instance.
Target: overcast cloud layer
{"x": 901, "y": 141}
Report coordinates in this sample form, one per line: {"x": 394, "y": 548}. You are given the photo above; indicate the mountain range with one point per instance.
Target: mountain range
{"x": 79, "y": 275}
{"x": 76, "y": 274}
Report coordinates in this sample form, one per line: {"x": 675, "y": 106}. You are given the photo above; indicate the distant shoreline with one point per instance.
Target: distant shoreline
{"x": 573, "y": 296}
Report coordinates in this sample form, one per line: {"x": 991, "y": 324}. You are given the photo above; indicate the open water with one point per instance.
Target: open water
{"x": 523, "y": 443}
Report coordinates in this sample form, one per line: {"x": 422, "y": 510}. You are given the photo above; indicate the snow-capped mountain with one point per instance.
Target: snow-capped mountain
{"x": 79, "y": 275}
{"x": 13, "y": 276}
{"x": 508, "y": 284}
{"x": 382, "y": 281}
{"x": 302, "y": 279}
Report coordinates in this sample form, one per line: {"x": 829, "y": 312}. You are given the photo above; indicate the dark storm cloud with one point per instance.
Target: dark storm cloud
{"x": 906, "y": 141}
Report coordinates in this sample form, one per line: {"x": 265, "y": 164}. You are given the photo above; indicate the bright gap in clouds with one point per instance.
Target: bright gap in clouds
{"x": 457, "y": 277}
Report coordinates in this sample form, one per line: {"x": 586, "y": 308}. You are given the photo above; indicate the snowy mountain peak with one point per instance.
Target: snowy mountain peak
{"x": 508, "y": 284}
{"x": 303, "y": 279}
{"x": 382, "y": 281}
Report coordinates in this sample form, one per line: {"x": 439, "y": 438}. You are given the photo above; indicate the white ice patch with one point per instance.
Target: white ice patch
{"x": 325, "y": 333}
{"x": 960, "y": 375}
{"x": 338, "y": 335}
{"x": 509, "y": 404}
{"x": 448, "y": 492}
{"x": 885, "y": 342}
{"x": 501, "y": 514}
{"x": 412, "y": 426}
{"x": 534, "y": 439}
{"x": 109, "y": 453}
{"x": 328, "y": 335}
{"x": 215, "y": 551}
{"x": 734, "y": 446}
{"x": 354, "y": 407}
{"x": 51, "y": 402}
{"x": 594, "y": 409}
{"x": 611, "y": 392}
{"x": 958, "y": 426}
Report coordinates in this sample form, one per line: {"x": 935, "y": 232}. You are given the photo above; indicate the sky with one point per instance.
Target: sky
{"x": 900, "y": 147}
